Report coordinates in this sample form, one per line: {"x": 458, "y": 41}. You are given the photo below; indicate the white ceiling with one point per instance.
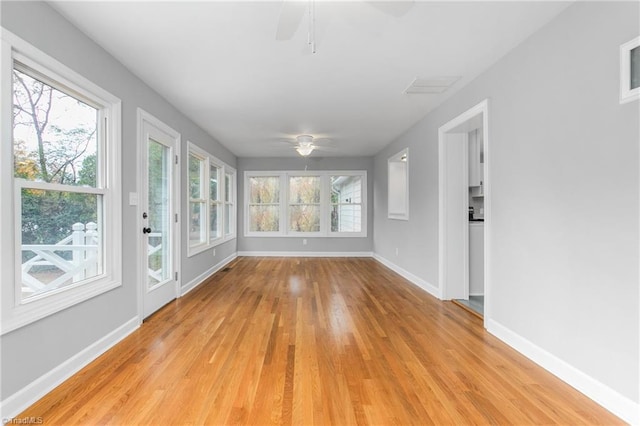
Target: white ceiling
{"x": 220, "y": 64}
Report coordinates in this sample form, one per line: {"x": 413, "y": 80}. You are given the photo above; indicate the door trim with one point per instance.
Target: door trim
{"x": 142, "y": 118}
{"x": 481, "y": 110}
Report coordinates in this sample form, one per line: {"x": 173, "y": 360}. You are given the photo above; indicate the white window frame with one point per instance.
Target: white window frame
{"x": 323, "y": 194}
{"x": 223, "y": 170}
{"x": 230, "y": 201}
{"x": 325, "y": 203}
{"x": 281, "y": 201}
{"x": 203, "y": 242}
{"x": 627, "y": 94}
{"x": 219, "y": 202}
{"x": 16, "y": 312}
{"x": 363, "y": 204}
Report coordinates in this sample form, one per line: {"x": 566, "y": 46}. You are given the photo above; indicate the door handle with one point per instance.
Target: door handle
{"x": 146, "y": 230}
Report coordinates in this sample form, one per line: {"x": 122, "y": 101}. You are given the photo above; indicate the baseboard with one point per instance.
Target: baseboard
{"x": 429, "y": 288}
{"x": 305, "y": 253}
{"x": 206, "y": 274}
{"x": 621, "y": 406}
{"x": 13, "y": 405}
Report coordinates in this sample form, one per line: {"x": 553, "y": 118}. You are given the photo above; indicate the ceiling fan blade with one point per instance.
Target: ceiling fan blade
{"x": 397, "y": 8}
{"x": 291, "y": 14}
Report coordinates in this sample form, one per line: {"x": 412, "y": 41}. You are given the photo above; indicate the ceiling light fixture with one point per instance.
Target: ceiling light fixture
{"x": 305, "y": 145}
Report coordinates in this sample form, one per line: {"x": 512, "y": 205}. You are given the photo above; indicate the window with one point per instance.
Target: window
{"x": 346, "y": 204}
{"x": 264, "y": 203}
{"x": 211, "y": 206}
{"x": 197, "y": 201}
{"x": 304, "y": 204}
{"x": 65, "y": 145}
{"x": 315, "y": 204}
{"x": 215, "y": 202}
{"x": 630, "y": 71}
{"x": 398, "y": 186}
{"x": 229, "y": 204}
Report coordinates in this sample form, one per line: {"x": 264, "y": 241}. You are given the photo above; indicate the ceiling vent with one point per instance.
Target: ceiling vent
{"x": 433, "y": 85}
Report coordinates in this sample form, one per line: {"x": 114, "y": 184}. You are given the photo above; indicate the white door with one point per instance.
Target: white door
{"x": 158, "y": 197}
{"x": 456, "y": 207}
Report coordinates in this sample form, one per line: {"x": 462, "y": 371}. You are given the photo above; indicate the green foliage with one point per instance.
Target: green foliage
{"x": 54, "y": 140}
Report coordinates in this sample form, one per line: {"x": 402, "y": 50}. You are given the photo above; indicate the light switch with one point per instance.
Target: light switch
{"x": 133, "y": 198}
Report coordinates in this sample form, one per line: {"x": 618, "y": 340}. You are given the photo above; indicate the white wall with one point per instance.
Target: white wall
{"x": 35, "y": 350}
{"x": 564, "y": 179}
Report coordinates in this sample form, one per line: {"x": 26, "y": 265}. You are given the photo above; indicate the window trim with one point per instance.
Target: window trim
{"x": 627, "y": 94}
{"x": 223, "y": 169}
{"x": 325, "y": 203}
{"x": 400, "y": 157}
{"x": 233, "y": 188}
{"x": 14, "y": 314}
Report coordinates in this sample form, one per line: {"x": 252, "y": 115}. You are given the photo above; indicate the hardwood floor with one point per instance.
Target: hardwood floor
{"x": 313, "y": 341}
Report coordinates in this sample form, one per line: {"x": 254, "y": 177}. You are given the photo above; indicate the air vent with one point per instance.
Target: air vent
{"x": 430, "y": 85}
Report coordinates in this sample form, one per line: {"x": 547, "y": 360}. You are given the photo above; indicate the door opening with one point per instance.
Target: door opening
{"x": 464, "y": 210}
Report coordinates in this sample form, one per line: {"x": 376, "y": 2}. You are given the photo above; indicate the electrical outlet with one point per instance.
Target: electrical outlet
{"x": 397, "y": 251}
{"x": 214, "y": 252}
{"x": 304, "y": 242}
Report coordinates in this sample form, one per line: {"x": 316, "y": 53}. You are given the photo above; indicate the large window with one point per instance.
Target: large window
{"x": 211, "y": 206}
{"x": 314, "y": 204}
{"x": 263, "y": 203}
{"x": 304, "y": 204}
{"x": 64, "y": 173}
{"x": 346, "y": 203}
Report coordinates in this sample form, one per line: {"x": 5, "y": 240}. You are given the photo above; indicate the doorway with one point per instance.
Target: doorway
{"x": 456, "y": 171}
{"x": 157, "y": 214}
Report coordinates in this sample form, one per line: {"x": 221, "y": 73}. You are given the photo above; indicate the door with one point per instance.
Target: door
{"x": 456, "y": 206}
{"x": 158, "y": 213}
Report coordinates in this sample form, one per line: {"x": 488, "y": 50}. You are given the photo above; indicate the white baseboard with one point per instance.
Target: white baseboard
{"x": 206, "y": 274}
{"x": 13, "y": 405}
{"x": 621, "y": 406}
{"x": 429, "y": 288}
{"x": 305, "y": 253}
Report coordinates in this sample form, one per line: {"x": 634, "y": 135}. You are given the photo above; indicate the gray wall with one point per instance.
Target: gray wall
{"x": 564, "y": 179}
{"x": 58, "y": 337}
{"x": 319, "y": 244}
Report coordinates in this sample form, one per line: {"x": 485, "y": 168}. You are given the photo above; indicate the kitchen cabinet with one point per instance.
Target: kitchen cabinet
{"x": 476, "y": 258}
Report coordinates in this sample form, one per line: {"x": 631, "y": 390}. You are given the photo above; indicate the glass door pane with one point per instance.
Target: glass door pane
{"x": 158, "y": 241}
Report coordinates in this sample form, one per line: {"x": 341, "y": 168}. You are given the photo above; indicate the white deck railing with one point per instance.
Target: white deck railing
{"x": 85, "y": 260}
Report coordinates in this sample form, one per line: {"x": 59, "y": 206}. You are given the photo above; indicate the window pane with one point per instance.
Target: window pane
{"x": 227, "y": 187}
{"x": 61, "y": 239}
{"x": 213, "y": 183}
{"x": 195, "y": 176}
{"x": 227, "y": 218}
{"x": 346, "y": 218}
{"x": 264, "y": 218}
{"x": 213, "y": 221}
{"x": 635, "y": 68}
{"x": 304, "y": 190}
{"x": 196, "y": 225}
{"x": 304, "y": 218}
{"x": 54, "y": 134}
{"x": 264, "y": 190}
{"x": 346, "y": 189}
{"x": 159, "y": 211}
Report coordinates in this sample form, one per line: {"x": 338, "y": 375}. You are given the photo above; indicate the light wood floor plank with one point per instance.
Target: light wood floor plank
{"x": 277, "y": 341}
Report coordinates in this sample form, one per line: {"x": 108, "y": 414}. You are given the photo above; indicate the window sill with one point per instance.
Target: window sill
{"x": 30, "y": 312}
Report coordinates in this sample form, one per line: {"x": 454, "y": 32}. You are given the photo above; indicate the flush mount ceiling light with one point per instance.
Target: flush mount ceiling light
{"x": 305, "y": 145}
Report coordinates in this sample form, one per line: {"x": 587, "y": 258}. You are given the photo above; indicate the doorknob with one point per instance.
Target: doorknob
{"x": 146, "y": 230}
